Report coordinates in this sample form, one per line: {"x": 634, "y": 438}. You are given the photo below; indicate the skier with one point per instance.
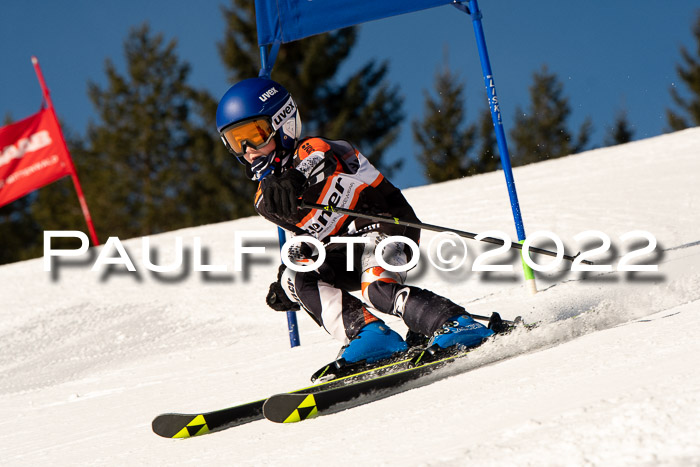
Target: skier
{"x": 260, "y": 124}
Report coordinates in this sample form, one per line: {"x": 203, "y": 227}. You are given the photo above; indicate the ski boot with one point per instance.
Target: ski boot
{"x": 375, "y": 344}
{"x": 416, "y": 340}
{"x": 375, "y": 341}
{"x": 457, "y": 334}
{"x": 461, "y": 331}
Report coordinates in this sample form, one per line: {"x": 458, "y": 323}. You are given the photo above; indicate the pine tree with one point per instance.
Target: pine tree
{"x": 620, "y": 132}
{"x": 219, "y": 189}
{"x": 488, "y": 158}
{"x": 542, "y": 132}
{"x": 443, "y": 139}
{"x": 154, "y": 162}
{"x": 363, "y": 109}
{"x": 690, "y": 76}
{"x": 20, "y": 235}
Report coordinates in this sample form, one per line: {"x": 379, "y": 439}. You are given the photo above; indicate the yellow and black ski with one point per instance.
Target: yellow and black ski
{"x": 320, "y": 400}
{"x": 180, "y": 425}
{"x": 380, "y": 380}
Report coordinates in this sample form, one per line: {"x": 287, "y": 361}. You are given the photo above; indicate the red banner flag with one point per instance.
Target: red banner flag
{"x": 32, "y": 155}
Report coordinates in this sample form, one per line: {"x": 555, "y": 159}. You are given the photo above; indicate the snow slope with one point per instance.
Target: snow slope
{"x": 87, "y": 359}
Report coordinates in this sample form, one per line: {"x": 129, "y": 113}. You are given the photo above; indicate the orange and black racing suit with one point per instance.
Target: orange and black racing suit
{"x": 337, "y": 174}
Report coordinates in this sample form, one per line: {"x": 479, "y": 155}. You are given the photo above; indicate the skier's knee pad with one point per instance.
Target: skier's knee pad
{"x": 378, "y": 287}
{"x": 377, "y": 282}
{"x": 393, "y": 253}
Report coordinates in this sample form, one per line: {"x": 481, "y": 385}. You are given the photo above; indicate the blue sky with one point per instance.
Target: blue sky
{"x": 610, "y": 55}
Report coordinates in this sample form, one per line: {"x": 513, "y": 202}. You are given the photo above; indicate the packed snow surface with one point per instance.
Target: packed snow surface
{"x": 610, "y": 377}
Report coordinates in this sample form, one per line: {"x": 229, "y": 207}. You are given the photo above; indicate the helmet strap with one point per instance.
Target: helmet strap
{"x": 276, "y": 162}
{"x": 263, "y": 166}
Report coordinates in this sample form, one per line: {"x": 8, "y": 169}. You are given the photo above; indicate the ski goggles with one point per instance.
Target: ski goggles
{"x": 254, "y": 134}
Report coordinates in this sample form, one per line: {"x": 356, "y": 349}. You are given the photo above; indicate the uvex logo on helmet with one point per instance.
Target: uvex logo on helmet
{"x": 267, "y": 94}
{"x": 283, "y": 113}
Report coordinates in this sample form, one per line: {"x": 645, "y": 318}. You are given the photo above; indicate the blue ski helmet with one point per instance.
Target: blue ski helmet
{"x": 260, "y": 100}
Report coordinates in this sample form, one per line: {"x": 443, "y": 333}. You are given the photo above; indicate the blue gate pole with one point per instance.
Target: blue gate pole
{"x": 476, "y": 15}
{"x": 266, "y": 64}
{"x": 292, "y": 325}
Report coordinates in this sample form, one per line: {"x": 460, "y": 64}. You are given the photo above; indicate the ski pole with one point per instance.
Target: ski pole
{"x": 435, "y": 228}
{"x": 486, "y": 318}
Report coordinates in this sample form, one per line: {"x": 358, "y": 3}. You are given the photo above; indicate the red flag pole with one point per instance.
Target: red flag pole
{"x": 74, "y": 172}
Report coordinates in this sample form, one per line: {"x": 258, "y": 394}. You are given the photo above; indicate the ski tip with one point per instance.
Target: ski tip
{"x": 178, "y": 426}
{"x": 290, "y": 408}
